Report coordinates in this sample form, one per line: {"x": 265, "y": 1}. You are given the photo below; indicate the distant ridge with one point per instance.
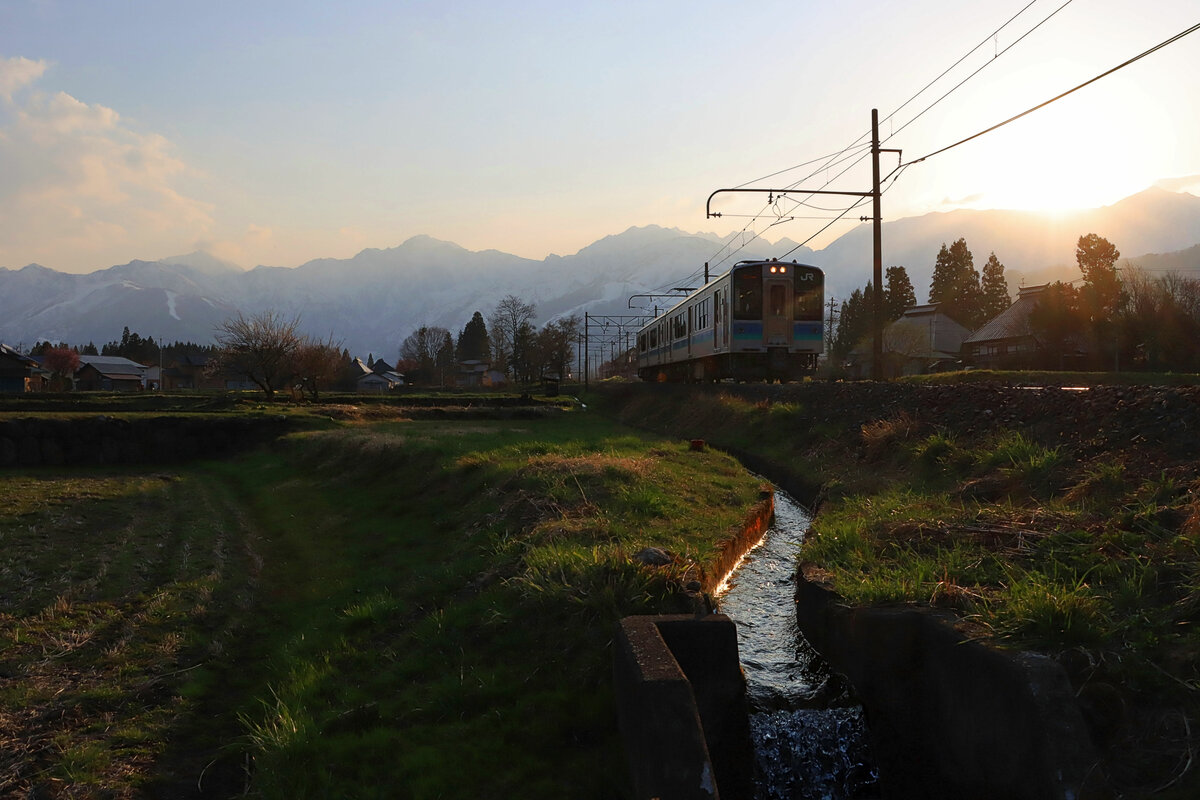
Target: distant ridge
{"x": 374, "y": 299}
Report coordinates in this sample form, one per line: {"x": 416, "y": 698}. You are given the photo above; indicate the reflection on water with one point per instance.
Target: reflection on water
{"x": 804, "y": 747}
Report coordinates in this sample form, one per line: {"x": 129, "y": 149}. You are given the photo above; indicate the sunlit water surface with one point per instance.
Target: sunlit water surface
{"x": 810, "y": 741}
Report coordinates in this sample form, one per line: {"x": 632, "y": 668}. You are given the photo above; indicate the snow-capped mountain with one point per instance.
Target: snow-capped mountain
{"x": 372, "y": 301}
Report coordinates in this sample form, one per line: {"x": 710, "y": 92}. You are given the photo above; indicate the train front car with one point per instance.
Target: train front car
{"x": 759, "y": 321}
{"x": 775, "y": 321}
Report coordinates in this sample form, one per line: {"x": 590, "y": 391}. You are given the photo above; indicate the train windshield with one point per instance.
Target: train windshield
{"x": 747, "y": 294}
{"x": 809, "y": 294}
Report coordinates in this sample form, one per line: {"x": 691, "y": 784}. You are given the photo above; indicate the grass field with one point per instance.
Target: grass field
{"x": 377, "y": 609}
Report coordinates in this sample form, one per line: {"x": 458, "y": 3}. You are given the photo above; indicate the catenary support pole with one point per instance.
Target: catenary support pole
{"x": 877, "y": 270}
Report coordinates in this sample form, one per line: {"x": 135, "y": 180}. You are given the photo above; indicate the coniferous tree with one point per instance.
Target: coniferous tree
{"x": 898, "y": 293}
{"x": 444, "y": 360}
{"x": 473, "y": 342}
{"x": 854, "y": 322}
{"x": 955, "y": 284}
{"x": 995, "y": 288}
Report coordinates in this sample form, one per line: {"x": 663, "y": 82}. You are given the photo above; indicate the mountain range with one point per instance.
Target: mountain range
{"x": 371, "y": 301}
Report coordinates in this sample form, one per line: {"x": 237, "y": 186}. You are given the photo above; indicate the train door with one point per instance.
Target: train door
{"x": 718, "y": 322}
{"x": 691, "y": 320}
{"x": 777, "y": 309}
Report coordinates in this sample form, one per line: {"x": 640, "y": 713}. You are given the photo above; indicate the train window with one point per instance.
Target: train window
{"x": 747, "y": 294}
{"x": 717, "y": 306}
{"x": 809, "y": 295}
{"x": 702, "y": 314}
{"x": 778, "y": 300}
{"x": 641, "y": 342}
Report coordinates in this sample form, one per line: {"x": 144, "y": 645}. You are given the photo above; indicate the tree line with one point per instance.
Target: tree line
{"x": 508, "y": 341}
{"x": 1108, "y": 318}
{"x": 1119, "y": 318}
{"x": 268, "y": 350}
{"x": 962, "y": 292}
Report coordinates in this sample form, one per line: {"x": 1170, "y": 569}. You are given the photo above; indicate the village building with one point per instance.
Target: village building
{"x": 19, "y": 373}
{"x": 1008, "y": 341}
{"x": 110, "y": 374}
{"x": 473, "y": 374}
{"x": 379, "y": 382}
{"x": 190, "y": 371}
{"x": 924, "y": 339}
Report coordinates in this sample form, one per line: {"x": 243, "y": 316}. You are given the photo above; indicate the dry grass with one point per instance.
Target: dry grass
{"x": 110, "y": 583}
{"x": 883, "y": 434}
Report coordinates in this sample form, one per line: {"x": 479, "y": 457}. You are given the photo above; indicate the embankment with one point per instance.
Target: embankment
{"x": 945, "y": 706}
{"x": 102, "y": 439}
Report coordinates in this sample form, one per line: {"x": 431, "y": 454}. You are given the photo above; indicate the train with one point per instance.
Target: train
{"x": 762, "y": 320}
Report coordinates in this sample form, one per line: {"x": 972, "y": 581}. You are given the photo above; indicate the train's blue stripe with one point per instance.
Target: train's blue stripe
{"x": 806, "y": 332}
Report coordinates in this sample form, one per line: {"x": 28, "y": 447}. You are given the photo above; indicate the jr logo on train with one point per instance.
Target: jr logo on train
{"x": 759, "y": 321}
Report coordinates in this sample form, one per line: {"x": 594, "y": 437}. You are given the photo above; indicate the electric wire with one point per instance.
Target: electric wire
{"x": 1056, "y": 98}
{"x": 960, "y": 84}
{"x": 948, "y": 69}
{"x": 925, "y": 88}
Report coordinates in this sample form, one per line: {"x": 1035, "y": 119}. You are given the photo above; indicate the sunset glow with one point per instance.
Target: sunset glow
{"x": 275, "y": 134}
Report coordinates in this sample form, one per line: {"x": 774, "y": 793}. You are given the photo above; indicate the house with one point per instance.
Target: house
{"x": 110, "y": 374}
{"x": 924, "y": 339}
{"x": 379, "y": 383}
{"x": 1008, "y": 341}
{"x": 18, "y": 373}
{"x": 190, "y": 371}
{"x": 478, "y": 374}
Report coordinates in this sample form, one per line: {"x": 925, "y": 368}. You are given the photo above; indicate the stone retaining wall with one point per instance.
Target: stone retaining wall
{"x": 948, "y": 716}
{"x": 33, "y": 442}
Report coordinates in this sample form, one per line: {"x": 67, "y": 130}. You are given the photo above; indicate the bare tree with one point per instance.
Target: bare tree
{"x": 506, "y": 326}
{"x": 317, "y": 363}
{"x": 556, "y": 345}
{"x": 258, "y": 348}
{"x": 426, "y": 347}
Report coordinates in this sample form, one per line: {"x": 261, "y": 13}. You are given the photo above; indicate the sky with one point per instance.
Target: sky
{"x": 278, "y": 132}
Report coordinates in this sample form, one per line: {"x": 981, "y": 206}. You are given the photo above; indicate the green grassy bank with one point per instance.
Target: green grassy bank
{"x": 378, "y": 608}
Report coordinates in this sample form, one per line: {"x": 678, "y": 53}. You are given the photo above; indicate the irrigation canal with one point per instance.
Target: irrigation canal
{"x": 809, "y": 737}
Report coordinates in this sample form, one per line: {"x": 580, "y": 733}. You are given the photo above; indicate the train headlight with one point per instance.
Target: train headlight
{"x": 782, "y": 269}
{"x": 772, "y": 270}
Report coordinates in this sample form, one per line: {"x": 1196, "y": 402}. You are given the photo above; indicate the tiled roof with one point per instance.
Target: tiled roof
{"x": 1012, "y": 322}
{"x": 112, "y": 364}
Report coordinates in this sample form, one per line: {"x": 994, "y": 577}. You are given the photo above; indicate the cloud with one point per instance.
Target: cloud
{"x": 1183, "y": 183}
{"x": 970, "y": 199}
{"x": 83, "y": 185}
{"x": 17, "y": 73}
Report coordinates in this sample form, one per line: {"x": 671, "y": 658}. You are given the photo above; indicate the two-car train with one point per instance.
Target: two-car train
{"x": 759, "y": 321}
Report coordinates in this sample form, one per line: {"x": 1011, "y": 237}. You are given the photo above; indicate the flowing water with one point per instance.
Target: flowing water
{"x": 810, "y": 741}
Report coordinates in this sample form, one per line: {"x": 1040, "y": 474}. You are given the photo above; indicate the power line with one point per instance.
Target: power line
{"x": 1105, "y": 74}
{"x": 948, "y": 69}
{"x": 981, "y": 68}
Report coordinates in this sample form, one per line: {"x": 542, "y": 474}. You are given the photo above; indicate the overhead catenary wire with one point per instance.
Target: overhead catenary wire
{"x": 1058, "y": 97}
{"x": 984, "y": 66}
{"x": 836, "y": 158}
